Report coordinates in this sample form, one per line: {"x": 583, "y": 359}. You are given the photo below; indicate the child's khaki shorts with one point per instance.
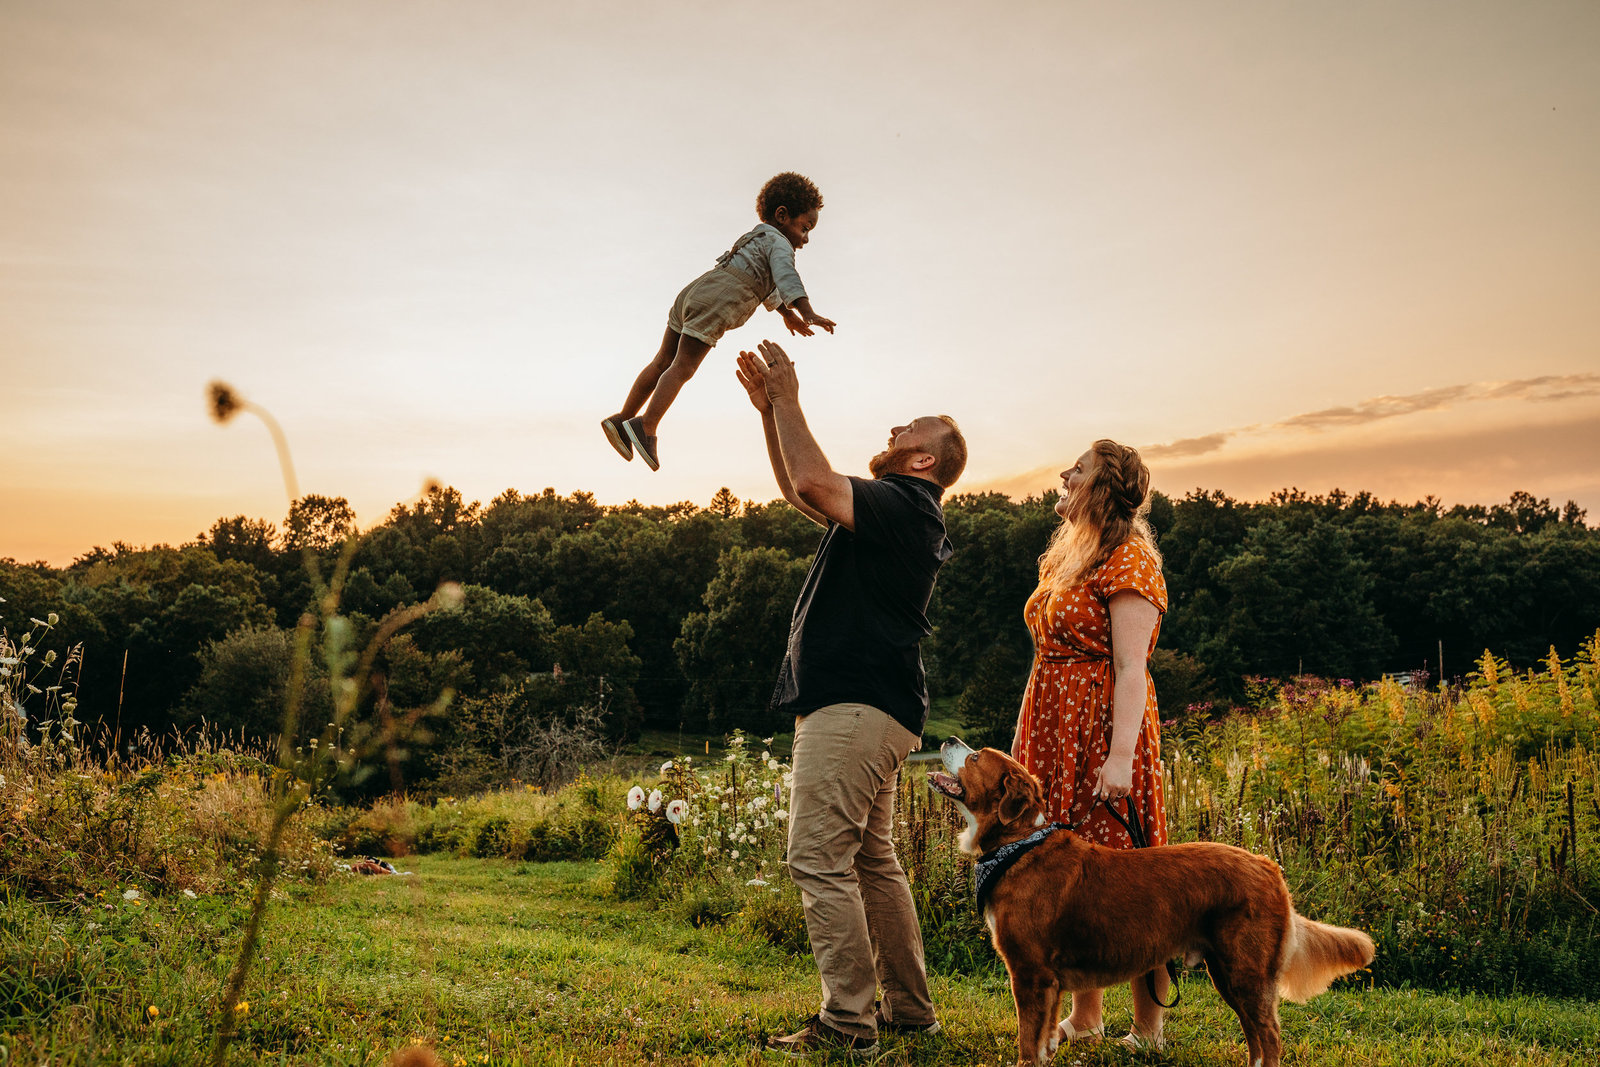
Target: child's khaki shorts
{"x": 714, "y": 303}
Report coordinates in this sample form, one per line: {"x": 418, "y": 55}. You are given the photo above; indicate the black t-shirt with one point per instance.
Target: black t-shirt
{"x": 861, "y": 614}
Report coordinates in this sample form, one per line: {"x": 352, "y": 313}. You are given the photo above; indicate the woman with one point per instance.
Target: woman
{"x": 1088, "y": 729}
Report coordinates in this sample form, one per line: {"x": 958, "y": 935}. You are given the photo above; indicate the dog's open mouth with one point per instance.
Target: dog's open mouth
{"x": 949, "y": 785}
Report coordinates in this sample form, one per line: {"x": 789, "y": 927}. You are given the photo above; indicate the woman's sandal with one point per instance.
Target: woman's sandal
{"x": 1067, "y": 1032}
{"x": 1139, "y": 1042}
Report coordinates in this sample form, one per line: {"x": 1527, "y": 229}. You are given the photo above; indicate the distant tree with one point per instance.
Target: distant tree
{"x": 245, "y": 539}
{"x": 724, "y": 504}
{"x": 983, "y": 588}
{"x": 243, "y": 684}
{"x": 1296, "y": 602}
{"x": 1523, "y": 513}
{"x": 502, "y": 638}
{"x": 779, "y": 525}
{"x": 319, "y": 523}
{"x": 731, "y": 651}
{"x": 989, "y": 704}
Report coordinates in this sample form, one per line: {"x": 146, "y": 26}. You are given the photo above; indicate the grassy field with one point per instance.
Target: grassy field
{"x": 495, "y": 962}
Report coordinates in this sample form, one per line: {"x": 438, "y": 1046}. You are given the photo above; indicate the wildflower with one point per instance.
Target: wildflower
{"x": 243, "y": 1007}
{"x": 667, "y": 766}
{"x": 781, "y": 814}
{"x": 130, "y": 894}
{"x": 734, "y": 854}
{"x": 675, "y": 810}
{"x": 190, "y": 893}
{"x": 635, "y": 798}
{"x": 757, "y": 881}
{"x": 153, "y": 1011}
{"x": 655, "y": 800}
{"x": 225, "y": 403}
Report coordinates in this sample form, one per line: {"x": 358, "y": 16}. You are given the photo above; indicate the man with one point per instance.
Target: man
{"x": 853, "y": 679}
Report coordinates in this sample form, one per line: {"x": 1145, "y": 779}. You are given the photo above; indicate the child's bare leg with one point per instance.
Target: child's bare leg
{"x": 645, "y": 384}
{"x": 690, "y": 352}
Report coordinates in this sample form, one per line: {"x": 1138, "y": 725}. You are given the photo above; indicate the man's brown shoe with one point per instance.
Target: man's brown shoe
{"x": 898, "y": 1027}
{"x": 817, "y": 1038}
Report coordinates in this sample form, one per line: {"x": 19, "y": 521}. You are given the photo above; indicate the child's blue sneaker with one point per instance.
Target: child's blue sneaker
{"x": 643, "y": 443}
{"x": 619, "y": 440}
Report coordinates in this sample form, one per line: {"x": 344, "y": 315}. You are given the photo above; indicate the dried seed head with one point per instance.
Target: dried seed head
{"x": 225, "y": 403}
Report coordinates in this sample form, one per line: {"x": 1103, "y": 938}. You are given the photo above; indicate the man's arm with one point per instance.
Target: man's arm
{"x": 815, "y": 482}
{"x": 753, "y": 383}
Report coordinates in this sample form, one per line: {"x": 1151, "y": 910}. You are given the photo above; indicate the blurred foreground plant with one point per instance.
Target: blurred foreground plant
{"x": 301, "y": 771}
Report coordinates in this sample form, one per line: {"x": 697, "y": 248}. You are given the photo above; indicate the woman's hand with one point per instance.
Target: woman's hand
{"x": 1115, "y": 780}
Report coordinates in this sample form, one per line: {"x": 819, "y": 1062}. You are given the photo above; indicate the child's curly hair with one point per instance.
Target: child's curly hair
{"x": 793, "y": 191}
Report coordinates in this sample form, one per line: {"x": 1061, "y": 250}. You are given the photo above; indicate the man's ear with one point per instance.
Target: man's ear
{"x": 1021, "y": 794}
{"x": 924, "y": 461}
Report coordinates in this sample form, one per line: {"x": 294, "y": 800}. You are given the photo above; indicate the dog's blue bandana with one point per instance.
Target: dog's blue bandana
{"x": 991, "y": 865}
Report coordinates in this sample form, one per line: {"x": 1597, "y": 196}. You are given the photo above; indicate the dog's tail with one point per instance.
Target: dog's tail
{"x": 1314, "y": 954}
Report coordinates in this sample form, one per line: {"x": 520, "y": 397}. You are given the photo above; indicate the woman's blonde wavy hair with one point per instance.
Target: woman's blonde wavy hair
{"x": 1110, "y": 507}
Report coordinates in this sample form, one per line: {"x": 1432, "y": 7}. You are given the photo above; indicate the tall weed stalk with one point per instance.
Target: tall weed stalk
{"x": 301, "y": 772}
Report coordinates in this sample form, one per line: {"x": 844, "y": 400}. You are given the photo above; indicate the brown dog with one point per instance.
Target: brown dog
{"x": 1073, "y": 916}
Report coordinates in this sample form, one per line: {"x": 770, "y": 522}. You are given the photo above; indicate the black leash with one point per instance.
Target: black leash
{"x": 1136, "y": 833}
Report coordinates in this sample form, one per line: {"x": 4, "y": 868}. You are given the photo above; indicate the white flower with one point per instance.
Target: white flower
{"x": 728, "y": 758}
{"x": 757, "y": 881}
{"x": 772, "y": 764}
{"x": 52, "y": 618}
{"x": 734, "y": 854}
{"x": 131, "y": 894}
{"x": 667, "y": 766}
{"x": 655, "y": 800}
{"x": 635, "y": 798}
{"x": 190, "y": 893}
{"x": 675, "y": 810}
{"x": 781, "y": 814}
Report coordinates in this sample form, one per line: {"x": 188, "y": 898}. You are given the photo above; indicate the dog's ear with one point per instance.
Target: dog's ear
{"x": 1021, "y": 793}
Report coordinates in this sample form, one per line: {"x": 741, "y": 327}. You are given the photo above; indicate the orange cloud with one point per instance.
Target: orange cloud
{"x": 1560, "y": 460}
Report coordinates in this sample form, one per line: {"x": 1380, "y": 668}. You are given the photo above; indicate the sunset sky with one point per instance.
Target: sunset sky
{"x": 1341, "y": 244}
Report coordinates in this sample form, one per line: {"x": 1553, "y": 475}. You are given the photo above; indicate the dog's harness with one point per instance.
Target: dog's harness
{"x": 991, "y": 865}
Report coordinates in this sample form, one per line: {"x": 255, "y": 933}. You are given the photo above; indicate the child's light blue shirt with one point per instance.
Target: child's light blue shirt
{"x": 766, "y": 257}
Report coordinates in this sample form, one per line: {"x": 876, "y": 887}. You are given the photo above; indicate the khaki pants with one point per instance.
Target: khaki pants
{"x": 859, "y": 913}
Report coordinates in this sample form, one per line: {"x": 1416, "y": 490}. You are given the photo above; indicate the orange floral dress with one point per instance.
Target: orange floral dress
{"x": 1064, "y": 732}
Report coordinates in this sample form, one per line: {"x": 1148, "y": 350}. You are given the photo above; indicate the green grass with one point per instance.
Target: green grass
{"x": 515, "y": 963}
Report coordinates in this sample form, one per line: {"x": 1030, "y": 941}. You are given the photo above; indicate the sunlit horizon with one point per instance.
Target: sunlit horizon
{"x": 1347, "y": 246}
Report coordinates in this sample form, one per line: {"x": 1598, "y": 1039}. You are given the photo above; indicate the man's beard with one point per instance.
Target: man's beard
{"x": 892, "y": 461}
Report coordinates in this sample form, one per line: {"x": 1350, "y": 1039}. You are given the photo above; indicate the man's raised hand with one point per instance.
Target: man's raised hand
{"x": 778, "y": 373}
{"x": 750, "y": 371}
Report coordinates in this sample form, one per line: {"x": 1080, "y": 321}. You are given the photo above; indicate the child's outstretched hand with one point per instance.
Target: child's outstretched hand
{"x": 813, "y": 319}
{"x": 795, "y": 323}
{"x": 753, "y": 381}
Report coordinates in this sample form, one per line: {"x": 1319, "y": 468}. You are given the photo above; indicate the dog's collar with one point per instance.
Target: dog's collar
{"x": 991, "y": 865}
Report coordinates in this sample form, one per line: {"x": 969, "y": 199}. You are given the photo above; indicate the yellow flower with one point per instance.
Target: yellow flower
{"x": 243, "y": 1007}
{"x": 152, "y": 1011}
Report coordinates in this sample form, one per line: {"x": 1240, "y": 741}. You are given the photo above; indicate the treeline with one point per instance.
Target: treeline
{"x": 675, "y": 617}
